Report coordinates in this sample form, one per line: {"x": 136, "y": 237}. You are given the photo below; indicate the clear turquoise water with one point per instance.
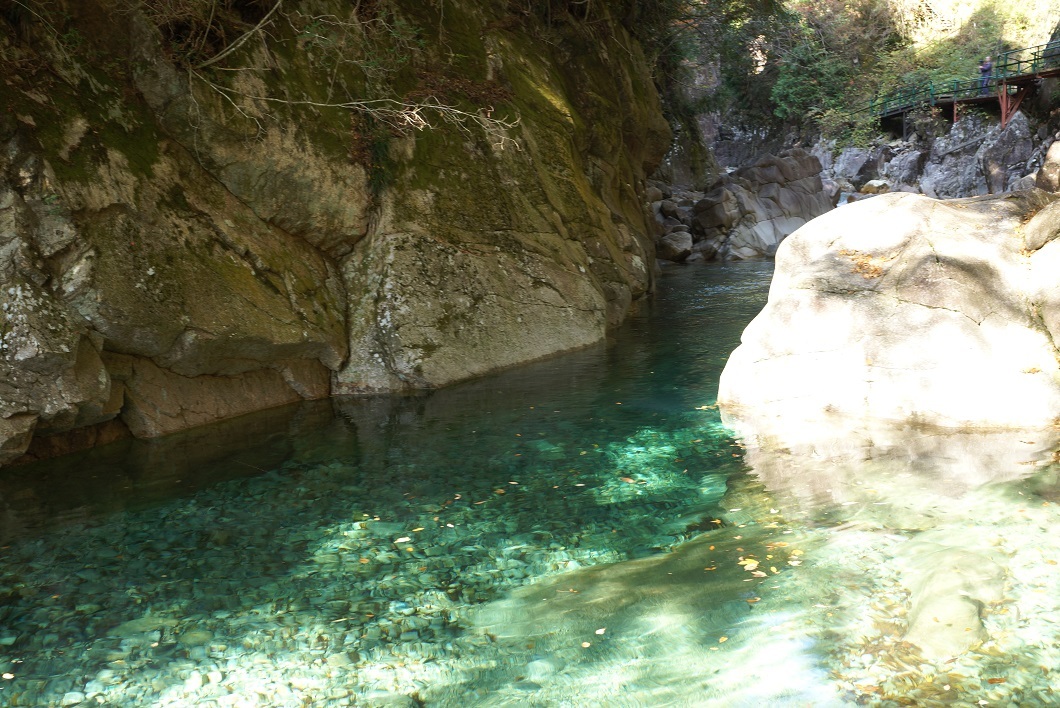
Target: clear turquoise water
{"x": 579, "y": 531}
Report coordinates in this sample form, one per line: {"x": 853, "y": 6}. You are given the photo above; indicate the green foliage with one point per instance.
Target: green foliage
{"x": 901, "y": 43}
{"x": 810, "y": 80}
{"x": 848, "y": 130}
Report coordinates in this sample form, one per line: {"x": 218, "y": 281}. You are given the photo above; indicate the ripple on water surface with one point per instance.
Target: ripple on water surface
{"x": 581, "y": 531}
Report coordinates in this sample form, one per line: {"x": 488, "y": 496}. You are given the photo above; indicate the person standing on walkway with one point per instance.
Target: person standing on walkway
{"x": 985, "y": 67}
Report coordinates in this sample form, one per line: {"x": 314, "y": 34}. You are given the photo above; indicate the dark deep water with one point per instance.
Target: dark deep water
{"x": 581, "y": 531}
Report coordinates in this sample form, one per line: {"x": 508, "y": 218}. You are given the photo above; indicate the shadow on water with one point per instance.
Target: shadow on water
{"x": 581, "y": 530}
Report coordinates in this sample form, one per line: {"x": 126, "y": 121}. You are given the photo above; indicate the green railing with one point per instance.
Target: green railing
{"x": 1017, "y": 62}
{"x": 1030, "y": 60}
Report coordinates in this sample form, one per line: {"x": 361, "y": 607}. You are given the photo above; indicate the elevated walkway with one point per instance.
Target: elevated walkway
{"x": 1016, "y": 73}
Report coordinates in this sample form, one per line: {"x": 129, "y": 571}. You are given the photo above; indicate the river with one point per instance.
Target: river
{"x": 575, "y": 532}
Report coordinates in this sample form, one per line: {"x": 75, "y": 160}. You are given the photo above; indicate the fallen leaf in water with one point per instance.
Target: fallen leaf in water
{"x": 995, "y": 680}
{"x": 628, "y": 480}
{"x": 722, "y": 639}
{"x": 759, "y": 574}
{"x": 753, "y": 600}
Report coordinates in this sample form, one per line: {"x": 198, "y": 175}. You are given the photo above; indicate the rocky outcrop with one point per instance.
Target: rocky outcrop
{"x": 748, "y": 213}
{"x": 744, "y": 214}
{"x": 912, "y": 311}
{"x": 179, "y": 246}
{"x": 976, "y": 157}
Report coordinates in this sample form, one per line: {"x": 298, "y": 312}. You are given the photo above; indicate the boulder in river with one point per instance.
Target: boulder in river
{"x": 906, "y": 309}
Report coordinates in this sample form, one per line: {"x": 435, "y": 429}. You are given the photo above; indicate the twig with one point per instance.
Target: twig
{"x": 242, "y": 39}
{"x": 399, "y": 114}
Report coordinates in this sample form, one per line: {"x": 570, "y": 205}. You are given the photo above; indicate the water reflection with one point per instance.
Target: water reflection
{"x": 941, "y": 542}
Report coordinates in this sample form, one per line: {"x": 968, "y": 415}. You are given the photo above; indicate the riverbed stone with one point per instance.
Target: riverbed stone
{"x": 949, "y": 589}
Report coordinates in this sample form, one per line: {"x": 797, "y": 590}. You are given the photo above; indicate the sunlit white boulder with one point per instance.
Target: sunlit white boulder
{"x": 906, "y": 309}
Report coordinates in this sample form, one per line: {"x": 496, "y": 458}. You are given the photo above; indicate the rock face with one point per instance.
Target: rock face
{"x": 180, "y": 246}
{"x": 976, "y": 157}
{"x": 912, "y": 311}
{"x": 747, "y": 214}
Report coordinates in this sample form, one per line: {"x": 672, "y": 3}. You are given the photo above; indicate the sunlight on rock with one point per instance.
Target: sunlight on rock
{"x": 904, "y": 309}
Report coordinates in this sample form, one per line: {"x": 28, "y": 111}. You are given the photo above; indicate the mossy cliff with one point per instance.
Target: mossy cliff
{"x": 205, "y": 215}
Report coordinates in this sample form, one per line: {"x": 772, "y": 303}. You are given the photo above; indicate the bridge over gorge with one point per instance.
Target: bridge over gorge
{"x": 1016, "y": 73}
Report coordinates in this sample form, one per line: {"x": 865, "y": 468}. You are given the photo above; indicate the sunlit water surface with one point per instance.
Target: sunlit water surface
{"x": 578, "y": 532}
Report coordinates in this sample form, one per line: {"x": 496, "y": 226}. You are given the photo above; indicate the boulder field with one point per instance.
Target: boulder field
{"x": 744, "y": 214}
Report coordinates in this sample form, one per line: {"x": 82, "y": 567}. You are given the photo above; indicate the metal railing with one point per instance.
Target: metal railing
{"x": 1030, "y": 60}
{"x": 1014, "y": 63}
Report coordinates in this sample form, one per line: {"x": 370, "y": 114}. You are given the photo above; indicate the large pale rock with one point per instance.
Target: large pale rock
{"x": 910, "y": 310}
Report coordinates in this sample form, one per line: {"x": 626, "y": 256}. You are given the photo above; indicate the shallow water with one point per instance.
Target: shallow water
{"x": 579, "y": 531}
